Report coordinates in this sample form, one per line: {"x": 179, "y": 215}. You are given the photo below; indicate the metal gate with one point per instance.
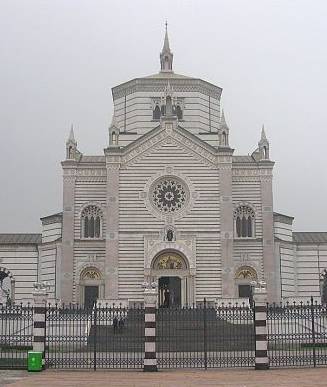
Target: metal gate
{"x": 16, "y": 335}
{"x": 297, "y": 334}
{"x": 204, "y": 337}
{"x": 99, "y": 337}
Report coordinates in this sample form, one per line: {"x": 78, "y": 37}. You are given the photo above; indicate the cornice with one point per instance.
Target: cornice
{"x": 159, "y": 85}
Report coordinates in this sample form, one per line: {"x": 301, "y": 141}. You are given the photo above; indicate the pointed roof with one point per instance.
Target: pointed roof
{"x": 263, "y": 134}
{"x": 166, "y": 48}
{"x": 166, "y": 56}
{"x": 114, "y": 123}
{"x": 71, "y": 137}
{"x": 223, "y": 119}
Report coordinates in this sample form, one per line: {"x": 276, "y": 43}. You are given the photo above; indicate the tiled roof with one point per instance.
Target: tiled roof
{"x": 310, "y": 237}
{"x": 20, "y": 238}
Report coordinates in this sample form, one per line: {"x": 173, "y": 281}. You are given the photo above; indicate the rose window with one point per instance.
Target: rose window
{"x": 169, "y": 195}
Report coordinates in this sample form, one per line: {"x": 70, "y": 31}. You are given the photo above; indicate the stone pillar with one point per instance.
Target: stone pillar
{"x": 260, "y": 323}
{"x": 270, "y": 264}
{"x": 226, "y": 221}
{"x": 39, "y": 312}
{"x": 112, "y": 223}
{"x": 67, "y": 263}
{"x": 150, "y": 355}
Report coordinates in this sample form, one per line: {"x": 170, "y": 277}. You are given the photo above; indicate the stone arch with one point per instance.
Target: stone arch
{"x": 90, "y": 275}
{"x": 172, "y": 265}
{"x": 246, "y": 272}
{"x": 170, "y": 260}
{"x": 90, "y": 272}
{"x": 243, "y": 277}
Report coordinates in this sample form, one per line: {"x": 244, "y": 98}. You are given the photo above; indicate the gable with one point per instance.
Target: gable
{"x": 175, "y": 141}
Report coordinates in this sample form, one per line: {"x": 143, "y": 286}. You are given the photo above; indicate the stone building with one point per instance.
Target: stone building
{"x": 169, "y": 202}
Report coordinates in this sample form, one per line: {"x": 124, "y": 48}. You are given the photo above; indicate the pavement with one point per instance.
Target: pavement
{"x": 306, "y": 377}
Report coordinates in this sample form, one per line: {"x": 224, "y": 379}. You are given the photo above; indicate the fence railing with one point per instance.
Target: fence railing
{"x": 16, "y": 335}
{"x": 200, "y": 336}
{"x": 205, "y": 337}
{"x": 297, "y": 334}
{"x": 99, "y": 337}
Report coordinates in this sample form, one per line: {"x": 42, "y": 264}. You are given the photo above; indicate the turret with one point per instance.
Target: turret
{"x": 113, "y": 132}
{"x": 166, "y": 56}
{"x": 71, "y": 146}
{"x": 223, "y": 132}
{"x": 263, "y": 145}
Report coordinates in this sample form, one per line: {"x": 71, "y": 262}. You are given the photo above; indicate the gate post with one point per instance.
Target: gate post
{"x": 260, "y": 323}
{"x": 150, "y": 301}
{"x": 40, "y": 297}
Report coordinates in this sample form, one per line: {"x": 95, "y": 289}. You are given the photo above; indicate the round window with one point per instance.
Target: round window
{"x": 169, "y": 195}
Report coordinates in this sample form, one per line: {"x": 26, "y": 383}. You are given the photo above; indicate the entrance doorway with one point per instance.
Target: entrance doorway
{"x": 91, "y": 294}
{"x": 244, "y": 291}
{"x": 169, "y": 292}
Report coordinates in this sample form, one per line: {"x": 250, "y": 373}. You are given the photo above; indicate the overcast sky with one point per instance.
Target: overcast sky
{"x": 59, "y": 60}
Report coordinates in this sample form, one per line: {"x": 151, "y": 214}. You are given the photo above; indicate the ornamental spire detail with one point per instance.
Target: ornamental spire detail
{"x": 166, "y": 56}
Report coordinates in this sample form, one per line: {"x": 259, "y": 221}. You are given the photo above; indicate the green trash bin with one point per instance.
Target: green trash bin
{"x": 34, "y": 361}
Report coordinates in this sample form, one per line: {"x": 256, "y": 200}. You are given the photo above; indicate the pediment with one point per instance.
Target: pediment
{"x": 169, "y": 136}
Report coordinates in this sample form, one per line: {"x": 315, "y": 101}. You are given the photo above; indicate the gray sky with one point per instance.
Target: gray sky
{"x": 59, "y": 60}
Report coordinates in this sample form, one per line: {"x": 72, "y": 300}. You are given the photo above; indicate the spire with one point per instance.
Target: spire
{"x": 263, "y": 145}
{"x": 71, "y": 145}
{"x": 71, "y": 137}
{"x": 166, "y": 56}
{"x": 166, "y": 47}
{"x": 223, "y": 131}
{"x": 263, "y": 134}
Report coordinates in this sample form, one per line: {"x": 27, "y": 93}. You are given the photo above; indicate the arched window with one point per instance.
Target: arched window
{"x": 224, "y": 139}
{"x": 91, "y": 222}
{"x": 179, "y": 112}
{"x": 156, "y": 113}
{"x": 244, "y": 222}
{"x": 265, "y": 152}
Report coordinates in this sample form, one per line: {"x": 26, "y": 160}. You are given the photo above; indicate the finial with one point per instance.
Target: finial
{"x": 71, "y": 134}
{"x": 166, "y": 24}
{"x": 263, "y": 133}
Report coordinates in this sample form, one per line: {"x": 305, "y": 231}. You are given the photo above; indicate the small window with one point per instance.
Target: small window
{"x": 91, "y": 222}
{"x": 156, "y": 113}
{"x": 224, "y": 139}
{"x": 179, "y": 112}
{"x": 244, "y": 221}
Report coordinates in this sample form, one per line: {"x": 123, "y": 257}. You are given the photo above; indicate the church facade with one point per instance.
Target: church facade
{"x": 168, "y": 202}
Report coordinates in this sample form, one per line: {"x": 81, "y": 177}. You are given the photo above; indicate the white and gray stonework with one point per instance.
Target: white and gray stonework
{"x": 168, "y": 202}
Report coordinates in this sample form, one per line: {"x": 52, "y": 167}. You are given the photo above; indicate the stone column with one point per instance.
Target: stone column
{"x": 39, "y": 312}
{"x": 226, "y": 221}
{"x": 67, "y": 263}
{"x": 150, "y": 355}
{"x": 112, "y": 223}
{"x": 260, "y": 323}
{"x": 270, "y": 265}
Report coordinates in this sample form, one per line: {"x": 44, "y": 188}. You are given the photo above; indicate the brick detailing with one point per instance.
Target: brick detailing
{"x": 150, "y": 355}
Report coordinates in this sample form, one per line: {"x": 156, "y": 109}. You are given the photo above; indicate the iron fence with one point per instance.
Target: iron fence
{"x": 16, "y": 335}
{"x": 204, "y": 337}
{"x": 99, "y": 337}
{"x": 297, "y": 334}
